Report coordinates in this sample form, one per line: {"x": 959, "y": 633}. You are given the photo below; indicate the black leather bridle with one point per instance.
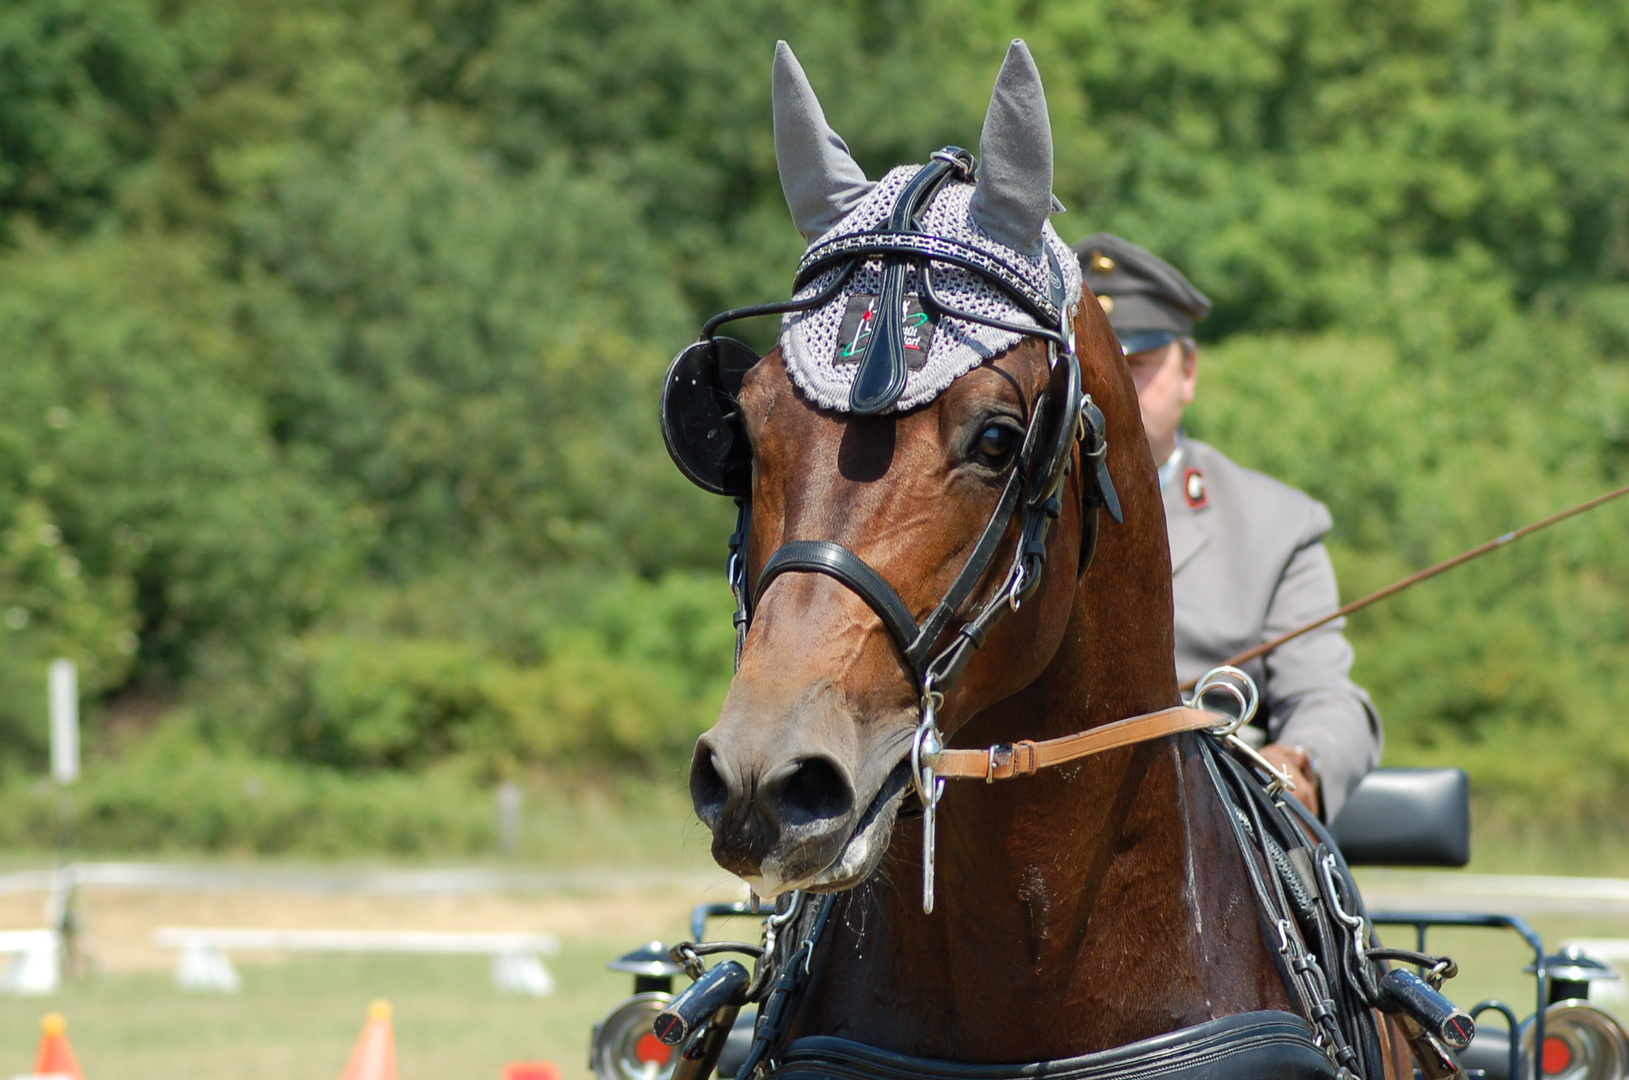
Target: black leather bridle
{"x": 705, "y": 435}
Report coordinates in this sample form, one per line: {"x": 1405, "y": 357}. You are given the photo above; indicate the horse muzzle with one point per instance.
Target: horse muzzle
{"x": 806, "y": 800}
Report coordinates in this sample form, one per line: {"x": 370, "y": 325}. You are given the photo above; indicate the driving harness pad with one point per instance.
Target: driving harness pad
{"x": 1266, "y": 1045}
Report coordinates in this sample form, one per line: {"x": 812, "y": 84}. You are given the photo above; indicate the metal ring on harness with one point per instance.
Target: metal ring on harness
{"x": 1233, "y": 681}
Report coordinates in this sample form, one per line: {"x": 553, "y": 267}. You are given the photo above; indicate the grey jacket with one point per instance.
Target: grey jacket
{"x": 1248, "y": 563}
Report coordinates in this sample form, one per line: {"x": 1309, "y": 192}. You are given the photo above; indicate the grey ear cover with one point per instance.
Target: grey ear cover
{"x": 1014, "y": 193}
{"x": 822, "y": 181}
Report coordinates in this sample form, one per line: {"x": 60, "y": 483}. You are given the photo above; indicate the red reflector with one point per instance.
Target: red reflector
{"x": 1557, "y": 1055}
{"x": 531, "y": 1070}
{"x": 649, "y": 1048}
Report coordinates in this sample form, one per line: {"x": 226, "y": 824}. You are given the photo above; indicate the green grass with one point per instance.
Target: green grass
{"x": 1501, "y": 845}
{"x": 585, "y": 820}
{"x": 298, "y": 1019}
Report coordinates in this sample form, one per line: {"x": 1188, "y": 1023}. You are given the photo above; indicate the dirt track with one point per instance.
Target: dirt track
{"x": 121, "y": 921}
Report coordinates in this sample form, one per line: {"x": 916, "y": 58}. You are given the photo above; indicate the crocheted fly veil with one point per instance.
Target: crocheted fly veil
{"x": 857, "y": 351}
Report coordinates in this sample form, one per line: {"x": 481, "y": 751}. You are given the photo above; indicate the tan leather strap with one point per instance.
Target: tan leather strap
{"x": 1025, "y": 757}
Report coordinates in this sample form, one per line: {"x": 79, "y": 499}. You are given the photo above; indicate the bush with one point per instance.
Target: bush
{"x": 173, "y": 793}
{"x": 632, "y": 673}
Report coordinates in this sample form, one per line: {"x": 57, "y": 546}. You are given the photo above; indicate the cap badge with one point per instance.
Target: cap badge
{"x": 1108, "y": 304}
{"x": 1101, "y": 263}
{"x": 1193, "y": 489}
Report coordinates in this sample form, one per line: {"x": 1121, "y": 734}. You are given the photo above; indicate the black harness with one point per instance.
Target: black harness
{"x": 1302, "y": 887}
{"x": 1253, "y": 1045}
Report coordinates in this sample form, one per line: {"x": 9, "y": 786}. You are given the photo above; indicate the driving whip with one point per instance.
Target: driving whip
{"x": 1414, "y": 579}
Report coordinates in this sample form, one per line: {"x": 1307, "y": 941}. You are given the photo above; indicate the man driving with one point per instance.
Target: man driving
{"x": 1247, "y": 555}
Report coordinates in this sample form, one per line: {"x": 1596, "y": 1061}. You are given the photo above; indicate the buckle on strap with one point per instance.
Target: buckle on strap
{"x": 1021, "y": 758}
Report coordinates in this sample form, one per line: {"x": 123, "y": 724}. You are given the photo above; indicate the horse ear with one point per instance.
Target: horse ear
{"x": 1014, "y": 192}
{"x": 821, "y": 180}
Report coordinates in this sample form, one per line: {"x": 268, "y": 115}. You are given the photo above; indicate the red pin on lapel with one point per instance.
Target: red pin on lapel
{"x": 1193, "y": 489}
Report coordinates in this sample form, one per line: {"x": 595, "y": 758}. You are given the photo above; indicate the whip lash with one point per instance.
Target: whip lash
{"x": 1415, "y": 578}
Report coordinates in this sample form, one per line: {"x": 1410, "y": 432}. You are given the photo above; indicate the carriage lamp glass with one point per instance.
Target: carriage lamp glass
{"x": 623, "y": 1046}
{"x": 1581, "y": 1042}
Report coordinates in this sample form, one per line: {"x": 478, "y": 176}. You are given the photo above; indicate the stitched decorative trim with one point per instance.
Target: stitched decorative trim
{"x": 935, "y": 248}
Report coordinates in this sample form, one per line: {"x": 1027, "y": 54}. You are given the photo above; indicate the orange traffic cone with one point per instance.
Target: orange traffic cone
{"x": 375, "y": 1055}
{"x": 56, "y": 1057}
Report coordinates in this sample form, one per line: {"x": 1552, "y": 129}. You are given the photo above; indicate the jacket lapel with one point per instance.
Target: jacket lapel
{"x": 1184, "y": 526}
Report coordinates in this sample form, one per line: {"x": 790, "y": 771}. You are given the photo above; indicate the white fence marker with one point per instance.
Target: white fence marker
{"x": 36, "y": 966}
{"x": 206, "y": 969}
{"x": 510, "y": 801}
{"x": 64, "y": 721}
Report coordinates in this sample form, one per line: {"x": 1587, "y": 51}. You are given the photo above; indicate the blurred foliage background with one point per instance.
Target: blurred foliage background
{"x": 330, "y": 332}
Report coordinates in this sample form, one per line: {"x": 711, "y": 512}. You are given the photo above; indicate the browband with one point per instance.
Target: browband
{"x": 824, "y": 254}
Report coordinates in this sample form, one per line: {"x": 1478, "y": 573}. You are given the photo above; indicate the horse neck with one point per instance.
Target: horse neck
{"x": 1085, "y": 907}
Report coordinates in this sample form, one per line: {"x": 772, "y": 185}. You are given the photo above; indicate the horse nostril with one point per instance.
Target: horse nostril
{"x": 815, "y": 791}
{"x": 708, "y": 791}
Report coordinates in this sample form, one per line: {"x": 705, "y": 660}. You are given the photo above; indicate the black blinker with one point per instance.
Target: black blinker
{"x": 701, "y": 417}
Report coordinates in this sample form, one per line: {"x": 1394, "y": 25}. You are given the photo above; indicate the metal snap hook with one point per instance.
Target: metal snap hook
{"x": 926, "y": 745}
{"x": 1020, "y": 578}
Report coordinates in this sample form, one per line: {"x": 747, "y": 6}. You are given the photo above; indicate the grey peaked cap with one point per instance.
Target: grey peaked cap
{"x": 1142, "y": 293}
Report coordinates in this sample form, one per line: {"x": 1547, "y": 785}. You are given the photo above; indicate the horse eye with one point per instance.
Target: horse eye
{"x": 996, "y": 443}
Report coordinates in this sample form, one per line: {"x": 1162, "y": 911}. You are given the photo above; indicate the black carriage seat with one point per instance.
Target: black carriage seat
{"x": 1407, "y": 817}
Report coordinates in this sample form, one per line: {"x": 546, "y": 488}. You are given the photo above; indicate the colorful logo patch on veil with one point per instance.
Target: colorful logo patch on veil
{"x": 860, "y": 319}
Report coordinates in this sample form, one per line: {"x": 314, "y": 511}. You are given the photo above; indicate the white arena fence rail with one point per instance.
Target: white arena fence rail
{"x": 517, "y": 959}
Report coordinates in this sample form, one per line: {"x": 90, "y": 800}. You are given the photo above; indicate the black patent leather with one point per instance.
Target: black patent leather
{"x": 1267, "y": 1045}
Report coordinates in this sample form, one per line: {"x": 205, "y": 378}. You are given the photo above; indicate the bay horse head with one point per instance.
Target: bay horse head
{"x": 951, "y": 536}
{"x": 901, "y": 460}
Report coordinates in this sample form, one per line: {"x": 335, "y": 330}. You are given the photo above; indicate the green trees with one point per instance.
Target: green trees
{"x": 330, "y": 332}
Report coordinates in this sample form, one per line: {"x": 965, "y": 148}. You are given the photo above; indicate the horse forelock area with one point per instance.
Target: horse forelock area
{"x": 1093, "y": 904}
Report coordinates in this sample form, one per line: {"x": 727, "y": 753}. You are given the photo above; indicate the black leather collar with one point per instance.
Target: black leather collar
{"x": 1266, "y": 1045}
